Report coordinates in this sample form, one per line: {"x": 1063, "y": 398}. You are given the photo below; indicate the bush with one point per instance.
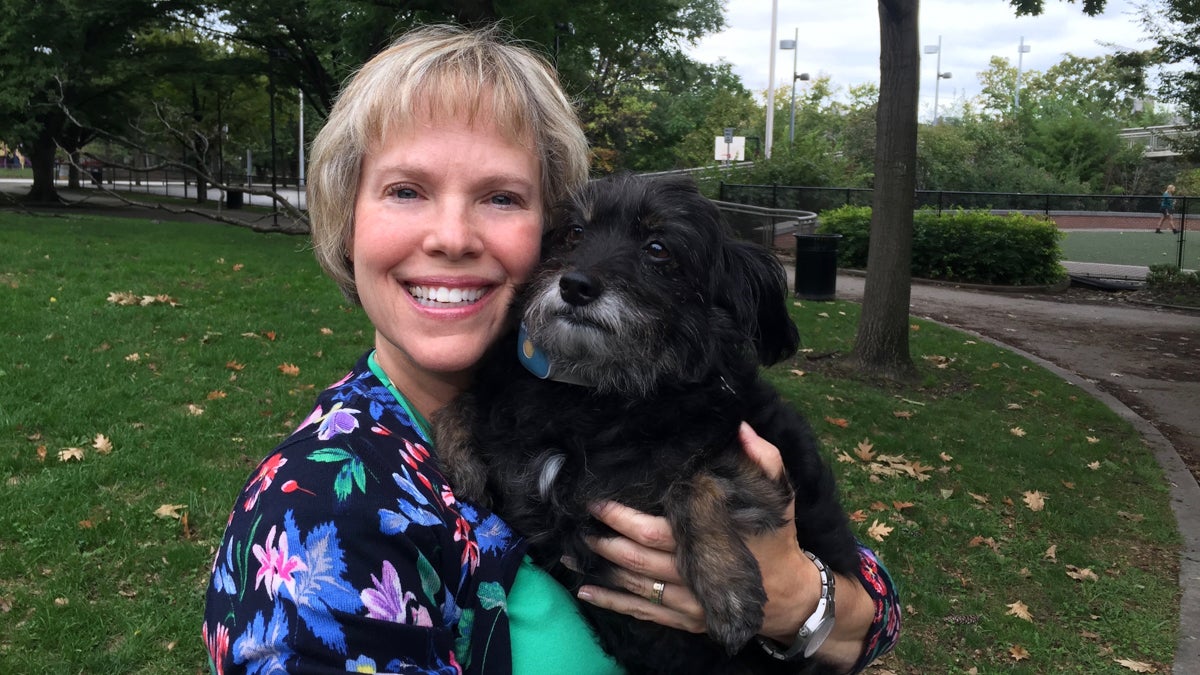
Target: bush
{"x": 1167, "y": 283}
{"x": 965, "y": 246}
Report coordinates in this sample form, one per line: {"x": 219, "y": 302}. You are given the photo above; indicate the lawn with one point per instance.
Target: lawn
{"x": 1027, "y": 525}
{"x": 1129, "y": 247}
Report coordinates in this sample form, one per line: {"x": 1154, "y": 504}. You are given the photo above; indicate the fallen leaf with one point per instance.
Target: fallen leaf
{"x": 170, "y": 511}
{"x": 123, "y": 298}
{"x": 134, "y": 357}
{"x": 1017, "y": 431}
{"x": 270, "y": 335}
{"x": 102, "y": 444}
{"x": 982, "y": 499}
{"x": 326, "y": 331}
{"x": 900, "y": 506}
{"x": 1018, "y": 653}
{"x": 1051, "y": 553}
{"x": 194, "y": 410}
{"x": 902, "y": 414}
{"x": 845, "y": 458}
{"x": 41, "y": 453}
{"x": 237, "y": 267}
{"x": 945, "y": 457}
{"x": 824, "y": 315}
{"x": 61, "y": 602}
{"x": 1092, "y": 439}
{"x": 1134, "y": 517}
{"x": 289, "y": 369}
{"x": 1093, "y": 465}
{"x": 1085, "y": 574}
{"x": 859, "y": 516}
{"x": 1019, "y": 610}
{"x": 879, "y": 506}
{"x": 1137, "y": 666}
{"x": 68, "y": 454}
{"x": 234, "y": 365}
{"x": 1068, "y": 484}
{"x": 215, "y": 394}
{"x": 798, "y": 373}
{"x": 915, "y": 326}
{"x": 865, "y": 450}
{"x": 947, "y": 493}
{"x": 1036, "y": 501}
{"x": 878, "y": 530}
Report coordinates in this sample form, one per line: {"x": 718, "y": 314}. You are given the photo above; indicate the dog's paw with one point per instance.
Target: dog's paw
{"x": 734, "y": 613}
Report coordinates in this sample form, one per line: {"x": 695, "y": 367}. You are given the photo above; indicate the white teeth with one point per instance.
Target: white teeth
{"x": 430, "y": 296}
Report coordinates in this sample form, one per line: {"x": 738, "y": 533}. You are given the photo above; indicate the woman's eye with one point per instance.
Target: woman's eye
{"x": 504, "y": 199}
{"x": 401, "y": 192}
{"x": 657, "y": 251}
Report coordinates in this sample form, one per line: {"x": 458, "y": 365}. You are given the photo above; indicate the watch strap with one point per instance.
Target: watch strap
{"x": 816, "y": 628}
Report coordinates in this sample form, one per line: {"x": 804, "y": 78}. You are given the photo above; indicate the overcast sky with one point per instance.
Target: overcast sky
{"x": 840, "y": 38}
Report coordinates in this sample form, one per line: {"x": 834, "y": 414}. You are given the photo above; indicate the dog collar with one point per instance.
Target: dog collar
{"x": 536, "y": 362}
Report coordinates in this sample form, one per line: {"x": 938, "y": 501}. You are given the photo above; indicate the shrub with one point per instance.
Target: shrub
{"x": 1167, "y": 283}
{"x": 965, "y": 246}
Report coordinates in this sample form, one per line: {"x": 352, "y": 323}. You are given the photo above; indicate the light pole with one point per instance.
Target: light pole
{"x": 793, "y": 45}
{"x": 937, "y": 49}
{"x": 1022, "y": 50}
{"x": 770, "y": 131}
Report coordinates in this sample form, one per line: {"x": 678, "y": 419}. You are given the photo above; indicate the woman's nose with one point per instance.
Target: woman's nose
{"x": 454, "y": 232}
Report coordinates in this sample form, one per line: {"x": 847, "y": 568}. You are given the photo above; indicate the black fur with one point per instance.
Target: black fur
{"x": 644, "y": 293}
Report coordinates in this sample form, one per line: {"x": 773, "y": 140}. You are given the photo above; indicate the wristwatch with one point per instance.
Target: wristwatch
{"x": 816, "y": 628}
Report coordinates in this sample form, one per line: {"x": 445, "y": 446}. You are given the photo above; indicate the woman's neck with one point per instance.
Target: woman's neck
{"x": 426, "y": 391}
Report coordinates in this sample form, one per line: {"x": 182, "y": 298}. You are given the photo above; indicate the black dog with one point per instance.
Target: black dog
{"x": 657, "y": 320}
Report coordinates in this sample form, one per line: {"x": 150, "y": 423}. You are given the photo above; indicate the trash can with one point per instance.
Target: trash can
{"x": 233, "y": 199}
{"x": 97, "y": 176}
{"x": 816, "y": 266}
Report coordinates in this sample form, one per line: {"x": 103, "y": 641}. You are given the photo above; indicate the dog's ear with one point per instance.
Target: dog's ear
{"x": 754, "y": 291}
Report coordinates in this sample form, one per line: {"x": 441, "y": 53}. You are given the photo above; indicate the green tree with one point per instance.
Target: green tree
{"x": 77, "y": 59}
{"x": 1174, "y": 27}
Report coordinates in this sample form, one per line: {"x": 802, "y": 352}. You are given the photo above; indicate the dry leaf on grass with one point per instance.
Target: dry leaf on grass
{"x": 289, "y": 369}
{"x": 1018, "y": 653}
{"x": 1017, "y": 431}
{"x": 1051, "y": 553}
{"x": 837, "y": 421}
{"x": 68, "y": 454}
{"x": 170, "y": 511}
{"x": 194, "y": 410}
{"x": 1036, "y": 501}
{"x": 1092, "y": 439}
{"x": 878, "y": 530}
{"x": 1019, "y": 610}
{"x": 865, "y": 450}
{"x": 1137, "y": 666}
{"x": 902, "y": 414}
{"x": 102, "y": 444}
{"x": 1084, "y": 574}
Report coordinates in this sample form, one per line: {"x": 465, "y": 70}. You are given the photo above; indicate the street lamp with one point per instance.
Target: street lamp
{"x": 770, "y": 130}
{"x": 1022, "y": 50}
{"x": 793, "y": 45}
{"x": 937, "y": 49}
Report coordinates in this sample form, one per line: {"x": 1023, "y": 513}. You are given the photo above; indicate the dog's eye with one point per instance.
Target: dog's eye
{"x": 574, "y": 233}
{"x": 657, "y": 251}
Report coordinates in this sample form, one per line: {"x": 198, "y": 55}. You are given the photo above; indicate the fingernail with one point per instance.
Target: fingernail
{"x": 585, "y": 595}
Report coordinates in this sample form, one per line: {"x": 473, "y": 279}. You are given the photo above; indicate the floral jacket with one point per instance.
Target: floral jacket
{"x": 347, "y": 551}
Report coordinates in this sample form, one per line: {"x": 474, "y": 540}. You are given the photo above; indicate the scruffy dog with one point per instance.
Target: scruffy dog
{"x": 658, "y": 320}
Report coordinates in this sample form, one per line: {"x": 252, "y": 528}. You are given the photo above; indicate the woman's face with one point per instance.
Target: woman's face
{"x": 447, "y": 222}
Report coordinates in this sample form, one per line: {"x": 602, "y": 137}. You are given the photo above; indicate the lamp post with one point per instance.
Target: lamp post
{"x": 793, "y": 45}
{"x": 937, "y": 49}
{"x": 1022, "y": 50}
{"x": 770, "y": 131}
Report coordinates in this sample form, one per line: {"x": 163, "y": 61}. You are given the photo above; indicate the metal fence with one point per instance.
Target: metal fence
{"x": 824, "y": 198}
{"x": 763, "y": 225}
{"x": 180, "y": 183}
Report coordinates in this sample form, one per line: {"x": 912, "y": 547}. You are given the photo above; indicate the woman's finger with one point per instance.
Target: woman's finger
{"x": 643, "y": 528}
{"x": 633, "y": 557}
{"x": 763, "y": 452}
{"x": 640, "y": 608}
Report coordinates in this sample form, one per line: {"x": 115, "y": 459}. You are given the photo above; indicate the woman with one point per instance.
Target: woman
{"x": 429, "y": 187}
{"x": 1166, "y": 207}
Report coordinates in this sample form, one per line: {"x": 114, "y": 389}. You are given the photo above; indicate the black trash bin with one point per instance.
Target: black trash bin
{"x": 816, "y": 266}
{"x": 233, "y": 199}
{"x": 97, "y": 176}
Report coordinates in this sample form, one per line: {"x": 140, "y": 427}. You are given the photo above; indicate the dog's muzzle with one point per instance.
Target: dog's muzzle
{"x": 578, "y": 288}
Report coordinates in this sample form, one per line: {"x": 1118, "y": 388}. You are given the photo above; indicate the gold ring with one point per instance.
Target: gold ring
{"x": 656, "y": 595}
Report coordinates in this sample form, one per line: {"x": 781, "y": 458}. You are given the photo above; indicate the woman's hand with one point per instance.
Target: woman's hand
{"x": 645, "y": 553}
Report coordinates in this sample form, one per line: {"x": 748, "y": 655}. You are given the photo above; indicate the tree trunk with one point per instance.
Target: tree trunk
{"x": 41, "y": 157}
{"x": 881, "y": 344}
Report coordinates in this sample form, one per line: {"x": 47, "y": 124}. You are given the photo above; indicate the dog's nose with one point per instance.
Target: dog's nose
{"x": 578, "y": 288}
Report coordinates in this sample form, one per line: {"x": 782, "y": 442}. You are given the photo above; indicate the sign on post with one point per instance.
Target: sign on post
{"x": 730, "y": 148}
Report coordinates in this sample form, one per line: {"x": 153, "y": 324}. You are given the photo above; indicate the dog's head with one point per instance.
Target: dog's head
{"x": 642, "y": 283}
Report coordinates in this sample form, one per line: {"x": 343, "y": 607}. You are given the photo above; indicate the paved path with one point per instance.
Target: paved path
{"x": 1154, "y": 384}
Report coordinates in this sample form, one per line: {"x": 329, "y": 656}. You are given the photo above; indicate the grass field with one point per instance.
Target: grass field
{"x": 1142, "y": 247}
{"x": 1027, "y": 525}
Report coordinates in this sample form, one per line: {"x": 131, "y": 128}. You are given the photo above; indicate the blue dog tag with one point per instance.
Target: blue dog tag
{"x": 531, "y": 357}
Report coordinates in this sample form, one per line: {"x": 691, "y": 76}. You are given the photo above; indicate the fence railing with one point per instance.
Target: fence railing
{"x": 824, "y": 198}
{"x": 180, "y": 183}
{"x": 762, "y": 225}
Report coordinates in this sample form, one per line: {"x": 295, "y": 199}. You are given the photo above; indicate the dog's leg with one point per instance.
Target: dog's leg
{"x": 459, "y": 458}
{"x": 715, "y": 562}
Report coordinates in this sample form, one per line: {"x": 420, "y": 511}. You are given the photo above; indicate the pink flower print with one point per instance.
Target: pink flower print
{"x": 470, "y": 554}
{"x": 275, "y": 566}
{"x": 262, "y": 479}
{"x": 218, "y": 647}
{"x": 313, "y": 416}
{"x": 414, "y": 454}
{"x": 387, "y": 601}
{"x": 337, "y": 421}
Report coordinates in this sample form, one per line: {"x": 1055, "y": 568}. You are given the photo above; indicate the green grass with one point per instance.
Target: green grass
{"x": 92, "y": 581}
{"x": 1141, "y": 247}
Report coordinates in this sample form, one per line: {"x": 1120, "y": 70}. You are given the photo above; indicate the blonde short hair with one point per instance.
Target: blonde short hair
{"x": 437, "y": 72}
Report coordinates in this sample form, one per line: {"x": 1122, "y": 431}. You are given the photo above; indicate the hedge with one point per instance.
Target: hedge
{"x": 963, "y": 246}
